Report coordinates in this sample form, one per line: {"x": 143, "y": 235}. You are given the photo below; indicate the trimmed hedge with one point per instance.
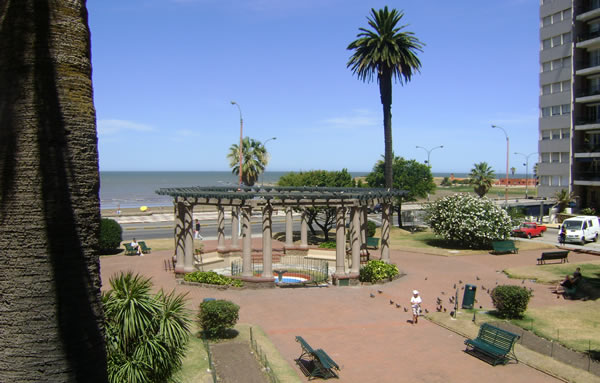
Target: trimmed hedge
{"x": 212, "y": 278}
{"x": 215, "y": 317}
{"x": 111, "y": 235}
{"x": 371, "y": 228}
{"x": 377, "y": 270}
{"x": 510, "y": 301}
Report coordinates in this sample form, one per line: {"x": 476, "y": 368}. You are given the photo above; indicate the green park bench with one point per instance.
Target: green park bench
{"x": 315, "y": 363}
{"x": 492, "y": 343}
{"x": 372, "y": 242}
{"x": 504, "y": 247}
{"x": 562, "y": 255}
{"x": 129, "y": 250}
{"x": 145, "y": 249}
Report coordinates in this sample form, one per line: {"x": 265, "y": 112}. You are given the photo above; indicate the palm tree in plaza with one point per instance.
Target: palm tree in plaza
{"x": 51, "y": 328}
{"x": 254, "y": 160}
{"x": 481, "y": 177}
{"x": 385, "y": 51}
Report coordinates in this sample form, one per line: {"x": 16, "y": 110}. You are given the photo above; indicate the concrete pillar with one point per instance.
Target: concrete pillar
{"x": 364, "y": 218}
{"x": 220, "y": 228}
{"x": 184, "y": 238}
{"x": 289, "y": 228}
{"x": 385, "y": 232}
{"x": 235, "y": 226}
{"x": 304, "y": 231}
{"x": 267, "y": 232}
{"x": 340, "y": 237}
{"x": 355, "y": 214}
{"x": 246, "y": 242}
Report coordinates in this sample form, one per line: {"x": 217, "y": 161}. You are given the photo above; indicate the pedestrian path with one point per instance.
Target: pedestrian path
{"x": 170, "y": 217}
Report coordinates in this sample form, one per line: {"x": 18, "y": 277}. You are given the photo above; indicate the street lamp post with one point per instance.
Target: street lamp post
{"x": 241, "y": 140}
{"x": 263, "y": 174}
{"x": 507, "y": 152}
{"x": 429, "y": 153}
{"x": 526, "y": 171}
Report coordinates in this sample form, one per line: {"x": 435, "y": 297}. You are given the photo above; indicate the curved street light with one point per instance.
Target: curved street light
{"x": 263, "y": 174}
{"x": 507, "y": 151}
{"x": 241, "y": 140}
{"x": 526, "y": 170}
{"x": 429, "y": 152}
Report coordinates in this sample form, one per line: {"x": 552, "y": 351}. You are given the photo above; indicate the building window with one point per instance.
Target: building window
{"x": 594, "y": 57}
{"x": 566, "y": 38}
{"x": 546, "y": 111}
{"x": 556, "y": 110}
{"x": 555, "y": 181}
{"x": 546, "y": 21}
{"x": 564, "y": 157}
{"x": 566, "y": 62}
{"x": 554, "y": 157}
{"x": 566, "y": 14}
{"x": 566, "y": 85}
{"x": 566, "y": 109}
{"x": 566, "y": 133}
{"x": 547, "y": 66}
{"x": 557, "y": 64}
{"x": 546, "y": 89}
{"x": 545, "y": 180}
{"x": 546, "y": 44}
{"x": 556, "y": 134}
{"x": 545, "y": 158}
{"x": 556, "y": 87}
{"x": 564, "y": 180}
{"x": 556, "y": 41}
{"x": 545, "y": 135}
{"x": 557, "y": 17}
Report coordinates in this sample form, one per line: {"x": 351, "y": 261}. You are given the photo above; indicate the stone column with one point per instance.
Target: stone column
{"x": 385, "y": 232}
{"x": 246, "y": 242}
{"x": 340, "y": 237}
{"x": 355, "y": 215}
{"x": 364, "y": 218}
{"x": 235, "y": 223}
{"x": 304, "y": 231}
{"x": 267, "y": 232}
{"x": 289, "y": 228}
{"x": 220, "y": 228}
{"x": 184, "y": 238}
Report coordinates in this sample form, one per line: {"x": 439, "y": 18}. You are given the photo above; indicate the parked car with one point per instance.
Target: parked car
{"x": 375, "y": 209}
{"x": 581, "y": 229}
{"x": 529, "y": 229}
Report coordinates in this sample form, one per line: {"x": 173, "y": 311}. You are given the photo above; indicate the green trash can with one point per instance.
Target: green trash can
{"x": 469, "y": 296}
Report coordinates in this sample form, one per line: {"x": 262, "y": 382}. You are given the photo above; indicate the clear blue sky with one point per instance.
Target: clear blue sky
{"x": 165, "y": 71}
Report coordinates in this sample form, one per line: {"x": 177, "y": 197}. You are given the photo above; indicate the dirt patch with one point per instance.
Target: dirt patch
{"x": 234, "y": 363}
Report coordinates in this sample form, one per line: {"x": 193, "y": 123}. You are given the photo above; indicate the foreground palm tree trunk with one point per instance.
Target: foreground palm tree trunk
{"x": 385, "y": 90}
{"x": 50, "y": 308}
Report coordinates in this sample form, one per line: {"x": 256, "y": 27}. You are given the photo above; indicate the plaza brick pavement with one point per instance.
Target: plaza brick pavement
{"x": 370, "y": 339}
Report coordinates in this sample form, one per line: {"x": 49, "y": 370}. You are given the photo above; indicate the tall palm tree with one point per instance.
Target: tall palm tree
{"x": 49, "y": 205}
{"x": 254, "y": 160}
{"x": 388, "y": 52}
{"x": 481, "y": 177}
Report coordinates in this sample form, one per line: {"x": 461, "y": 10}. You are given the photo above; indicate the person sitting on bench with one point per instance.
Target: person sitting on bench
{"x": 137, "y": 247}
{"x": 569, "y": 282}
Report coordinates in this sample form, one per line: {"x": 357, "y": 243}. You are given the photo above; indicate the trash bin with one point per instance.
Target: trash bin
{"x": 469, "y": 296}
{"x": 208, "y": 299}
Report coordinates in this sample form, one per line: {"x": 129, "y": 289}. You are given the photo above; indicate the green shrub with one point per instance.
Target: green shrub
{"x": 111, "y": 235}
{"x": 588, "y": 211}
{"x": 215, "y": 317}
{"x": 371, "y": 228}
{"x": 377, "y": 270}
{"x": 327, "y": 245}
{"x": 510, "y": 301}
{"x": 446, "y": 182}
{"x": 212, "y": 278}
{"x": 468, "y": 221}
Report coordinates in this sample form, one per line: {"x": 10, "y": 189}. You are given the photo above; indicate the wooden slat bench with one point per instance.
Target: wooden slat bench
{"x": 504, "y": 247}
{"x": 372, "y": 242}
{"x": 129, "y": 250}
{"x": 145, "y": 249}
{"x": 492, "y": 343}
{"x": 562, "y": 255}
{"x": 322, "y": 364}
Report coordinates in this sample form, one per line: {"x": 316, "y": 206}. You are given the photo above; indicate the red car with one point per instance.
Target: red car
{"x": 529, "y": 229}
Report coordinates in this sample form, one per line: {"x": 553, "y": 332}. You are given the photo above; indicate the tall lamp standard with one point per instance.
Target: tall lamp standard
{"x": 263, "y": 175}
{"x": 241, "y": 140}
{"x": 429, "y": 153}
{"x": 526, "y": 170}
{"x": 507, "y": 152}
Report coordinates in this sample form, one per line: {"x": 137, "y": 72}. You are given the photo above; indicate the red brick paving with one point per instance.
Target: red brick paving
{"x": 369, "y": 338}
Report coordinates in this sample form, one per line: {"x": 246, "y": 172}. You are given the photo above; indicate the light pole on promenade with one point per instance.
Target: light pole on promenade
{"x": 526, "y": 170}
{"x": 507, "y": 152}
{"x": 429, "y": 153}
{"x": 240, "y": 149}
{"x": 263, "y": 175}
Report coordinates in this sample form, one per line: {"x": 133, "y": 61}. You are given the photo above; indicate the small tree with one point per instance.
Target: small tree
{"x": 146, "y": 334}
{"x": 111, "y": 235}
{"x": 481, "y": 177}
{"x": 510, "y": 301}
{"x": 468, "y": 221}
{"x": 215, "y": 317}
{"x": 563, "y": 199}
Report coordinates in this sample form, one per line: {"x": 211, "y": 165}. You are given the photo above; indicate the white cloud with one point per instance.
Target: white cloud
{"x": 110, "y": 127}
{"x": 359, "y": 119}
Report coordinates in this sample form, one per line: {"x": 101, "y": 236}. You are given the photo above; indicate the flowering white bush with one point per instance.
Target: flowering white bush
{"x": 468, "y": 220}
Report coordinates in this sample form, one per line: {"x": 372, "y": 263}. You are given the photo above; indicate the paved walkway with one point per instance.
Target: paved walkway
{"x": 371, "y": 339}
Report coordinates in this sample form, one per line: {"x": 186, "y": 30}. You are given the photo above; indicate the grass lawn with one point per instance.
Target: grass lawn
{"x": 195, "y": 363}
{"x": 553, "y": 273}
{"x": 427, "y": 242}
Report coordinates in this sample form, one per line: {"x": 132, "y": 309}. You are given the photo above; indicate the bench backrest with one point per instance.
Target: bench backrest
{"x": 128, "y": 247}
{"x": 143, "y": 245}
{"x": 304, "y": 345}
{"x": 555, "y": 254}
{"x": 496, "y": 336}
{"x": 503, "y": 244}
{"x": 325, "y": 360}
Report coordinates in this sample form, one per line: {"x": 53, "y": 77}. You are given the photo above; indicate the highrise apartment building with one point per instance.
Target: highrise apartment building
{"x": 569, "y": 123}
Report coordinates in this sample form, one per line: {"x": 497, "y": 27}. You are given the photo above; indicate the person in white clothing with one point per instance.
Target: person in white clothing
{"x": 415, "y": 302}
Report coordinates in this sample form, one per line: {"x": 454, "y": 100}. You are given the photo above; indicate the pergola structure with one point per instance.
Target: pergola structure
{"x": 268, "y": 200}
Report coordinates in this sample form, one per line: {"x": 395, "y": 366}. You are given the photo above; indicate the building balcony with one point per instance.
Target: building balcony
{"x": 585, "y": 123}
{"x": 586, "y": 69}
{"x": 588, "y": 95}
{"x": 586, "y": 178}
{"x": 588, "y": 40}
{"x": 587, "y": 150}
{"x": 587, "y": 11}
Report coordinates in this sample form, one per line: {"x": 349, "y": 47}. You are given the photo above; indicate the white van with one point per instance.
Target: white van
{"x": 580, "y": 229}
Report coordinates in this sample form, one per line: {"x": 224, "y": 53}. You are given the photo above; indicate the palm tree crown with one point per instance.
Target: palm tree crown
{"x": 389, "y": 52}
{"x": 481, "y": 177}
{"x": 254, "y": 160}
